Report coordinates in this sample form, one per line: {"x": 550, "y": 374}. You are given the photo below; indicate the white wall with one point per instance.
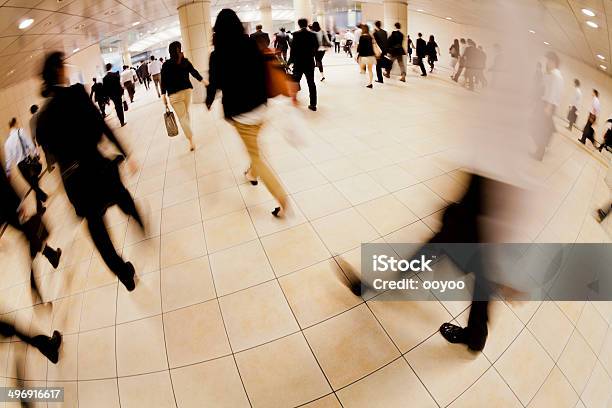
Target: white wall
{"x": 90, "y": 63}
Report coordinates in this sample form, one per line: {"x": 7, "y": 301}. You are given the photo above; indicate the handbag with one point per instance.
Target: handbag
{"x": 30, "y": 167}
{"x": 170, "y": 121}
{"x": 277, "y": 80}
{"x": 125, "y": 105}
{"x": 377, "y": 50}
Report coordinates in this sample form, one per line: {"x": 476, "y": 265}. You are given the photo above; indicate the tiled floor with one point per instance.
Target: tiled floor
{"x": 235, "y": 308}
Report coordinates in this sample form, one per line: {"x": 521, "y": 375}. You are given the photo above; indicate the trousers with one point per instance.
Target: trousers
{"x": 309, "y": 74}
{"x": 118, "y": 102}
{"x": 181, "y": 103}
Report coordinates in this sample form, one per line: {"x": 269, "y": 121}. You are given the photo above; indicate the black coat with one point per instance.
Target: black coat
{"x": 381, "y": 39}
{"x": 71, "y": 127}
{"x": 282, "y": 41}
{"x": 421, "y": 48}
{"x": 9, "y": 200}
{"x": 262, "y": 39}
{"x": 112, "y": 85}
{"x": 304, "y": 46}
{"x": 396, "y": 44}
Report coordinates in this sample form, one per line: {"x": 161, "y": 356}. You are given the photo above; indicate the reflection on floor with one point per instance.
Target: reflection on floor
{"x": 235, "y": 308}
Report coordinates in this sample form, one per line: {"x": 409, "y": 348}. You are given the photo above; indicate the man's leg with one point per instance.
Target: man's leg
{"x": 119, "y": 109}
{"x": 402, "y": 66}
{"x": 32, "y": 180}
{"x": 379, "y": 76}
{"x": 102, "y": 106}
{"x": 48, "y": 346}
{"x": 312, "y": 87}
{"x": 422, "y": 66}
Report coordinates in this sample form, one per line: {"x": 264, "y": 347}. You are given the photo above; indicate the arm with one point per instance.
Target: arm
{"x": 194, "y": 72}
{"x": 211, "y": 88}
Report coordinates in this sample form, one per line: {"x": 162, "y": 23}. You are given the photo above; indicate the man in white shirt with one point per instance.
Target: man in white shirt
{"x": 349, "y": 40}
{"x": 155, "y": 71}
{"x": 572, "y": 115}
{"x": 17, "y": 148}
{"x": 127, "y": 81}
{"x": 589, "y": 132}
{"x": 553, "y": 87}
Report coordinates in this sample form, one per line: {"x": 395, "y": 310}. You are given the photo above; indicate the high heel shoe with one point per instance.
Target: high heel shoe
{"x": 253, "y": 182}
{"x": 278, "y": 212}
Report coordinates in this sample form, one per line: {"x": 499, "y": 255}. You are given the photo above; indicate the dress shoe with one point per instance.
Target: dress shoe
{"x": 312, "y": 108}
{"x": 49, "y": 346}
{"x": 127, "y": 277}
{"x": 459, "y": 335}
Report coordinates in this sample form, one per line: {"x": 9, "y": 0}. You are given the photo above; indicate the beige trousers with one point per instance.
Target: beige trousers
{"x": 248, "y": 134}
{"x": 181, "y": 103}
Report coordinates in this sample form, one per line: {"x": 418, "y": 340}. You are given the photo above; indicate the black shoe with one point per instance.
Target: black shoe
{"x": 322, "y": 79}
{"x": 54, "y": 258}
{"x": 580, "y": 140}
{"x": 49, "y": 346}
{"x": 246, "y": 175}
{"x": 387, "y": 75}
{"x": 312, "y": 108}
{"x": 370, "y": 86}
{"x": 123, "y": 124}
{"x": 380, "y": 82}
{"x": 278, "y": 212}
{"x": 127, "y": 277}
{"x": 459, "y": 335}
{"x": 423, "y": 74}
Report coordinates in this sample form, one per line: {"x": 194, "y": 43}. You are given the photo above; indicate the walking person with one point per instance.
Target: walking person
{"x": 572, "y": 114}
{"x": 155, "y": 68}
{"x": 589, "y": 132}
{"x": 481, "y": 65}
{"x": 114, "y": 91}
{"x": 324, "y": 45}
{"x": 71, "y": 128}
{"x": 48, "y": 156}
{"x": 281, "y": 43}
{"x": 244, "y": 94}
{"x": 127, "y": 82}
{"x": 262, "y": 39}
{"x": 21, "y": 152}
{"x": 607, "y": 141}
{"x": 365, "y": 54}
{"x": 97, "y": 93}
{"x": 553, "y": 87}
{"x": 454, "y": 54}
{"x": 175, "y": 82}
{"x": 349, "y": 39}
{"x": 462, "y": 48}
{"x": 409, "y": 48}
{"x": 143, "y": 73}
{"x": 336, "y": 40}
{"x": 432, "y": 52}
{"x": 48, "y": 346}
{"x": 303, "y": 51}
{"x": 470, "y": 64}
{"x": 396, "y": 52}
{"x": 604, "y": 212}
{"x": 380, "y": 36}
{"x": 421, "y": 53}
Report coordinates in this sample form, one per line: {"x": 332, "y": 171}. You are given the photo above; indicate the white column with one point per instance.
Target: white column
{"x": 127, "y": 57}
{"x": 265, "y": 9}
{"x": 303, "y": 9}
{"x": 196, "y": 36}
{"x": 396, "y": 11}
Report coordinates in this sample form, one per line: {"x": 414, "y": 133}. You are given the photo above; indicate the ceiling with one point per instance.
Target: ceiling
{"x": 69, "y": 25}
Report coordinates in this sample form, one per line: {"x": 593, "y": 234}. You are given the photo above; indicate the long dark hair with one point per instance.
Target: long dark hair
{"x": 174, "y": 49}
{"x": 51, "y": 72}
{"x": 228, "y": 31}
{"x": 316, "y": 27}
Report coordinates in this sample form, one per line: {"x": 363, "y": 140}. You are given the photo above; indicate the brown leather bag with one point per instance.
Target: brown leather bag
{"x": 277, "y": 80}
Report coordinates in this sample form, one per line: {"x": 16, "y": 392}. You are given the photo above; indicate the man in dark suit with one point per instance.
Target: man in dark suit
{"x": 303, "y": 49}
{"x": 396, "y": 51}
{"x": 281, "y": 42}
{"x": 114, "y": 91}
{"x": 97, "y": 93}
{"x": 262, "y": 39}
{"x": 421, "y": 52}
{"x": 380, "y": 36}
{"x": 143, "y": 74}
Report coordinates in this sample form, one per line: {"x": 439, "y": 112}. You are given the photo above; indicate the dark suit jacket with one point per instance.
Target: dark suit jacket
{"x": 396, "y": 43}
{"x": 381, "y": 39}
{"x": 112, "y": 85}
{"x": 303, "y": 49}
{"x": 262, "y": 39}
{"x": 282, "y": 41}
{"x": 421, "y": 48}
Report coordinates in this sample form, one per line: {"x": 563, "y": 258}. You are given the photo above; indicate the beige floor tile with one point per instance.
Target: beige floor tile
{"x": 344, "y": 230}
{"x": 598, "y": 391}
{"x": 393, "y": 178}
{"x": 99, "y": 306}
{"x": 182, "y": 245}
{"x": 186, "y": 284}
{"x": 214, "y": 383}
{"x": 338, "y": 169}
{"x": 359, "y": 189}
{"x": 321, "y": 201}
{"x": 293, "y": 249}
{"x": 577, "y": 362}
{"x": 329, "y": 401}
{"x": 525, "y": 366}
{"x": 257, "y": 315}
{"x": 318, "y": 292}
{"x": 605, "y": 355}
{"x": 302, "y": 179}
{"x": 180, "y": 216}
{"x": 229, "y": 230}
{"x": 572, "y": 310}
{"x": 180, "y": 192}
{"x": 67, "y": 314}
{"x": 284, "y": 386}
{"x": 254, "y": 195}
{"x": 140, "y": 347}
{"x": 96, "y": 354}
{"x": 202, "y": 339}
{"x": 394, "y": 385}
{"x": 144, "y": 301}
{"x": 266, "y": 224}
{"x": 221, "y": 203}
{"x": 240, "y": 267}
{"x": 350, "y": 346}
{"x": 150, "y": 186}
{"x": 144, "y": 255}
{"x": 489, "y": 390}
{"x": 386, "y": 214}
{"x": 446, "y": 187}
{"x": 421, "y": 169}
{"x": 66, "y": 367}
{"x": 181, "y": 175}
{"x": 556, "y": 392}
{"x": 99, "y": 394}
{"x": 149, "y": 390}
{"x": 551, "y": 328}
{"x": 216, "y": 182}
{"x": 592, "y": 326}
{"x": 420, "y": 200}
{"x": 152, "y": 222}
{"x": 446, "y": 369}
{"x": 97, "y": 275}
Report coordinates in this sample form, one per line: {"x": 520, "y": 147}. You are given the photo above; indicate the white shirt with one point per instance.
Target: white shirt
{"x": 357, "y": 35}
{"x": 349, "y": 36}
{"x": 553, "y": 86}
{"x": 596, "y": 106}
{"x": 126, "y": 75}
{"x": 155, "y": 67}
{"x": 13, "y": 149}
{"x": 254, "y": 117}
{"x": 577, "y": 98}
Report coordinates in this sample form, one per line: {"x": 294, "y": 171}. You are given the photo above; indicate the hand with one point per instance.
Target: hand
{"x": 205, "y": 82}
{"x": 132, "y": 166}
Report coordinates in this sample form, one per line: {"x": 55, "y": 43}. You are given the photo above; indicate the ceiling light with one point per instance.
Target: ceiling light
{"x": 532, "y": 32}
{"x": 134, "y": 24}
{"x": 603, "y": 67}
{"x": 26, "y": 23}
{"x": 546, "y": 43}
{"x": 421, "y": 10}
{"x": 592, "y": 24}
{"x": 588, "y": 12}
{"x": 601, "y": 57}
{"x": 77, "y": 49}
{"x": 449, "y": 18}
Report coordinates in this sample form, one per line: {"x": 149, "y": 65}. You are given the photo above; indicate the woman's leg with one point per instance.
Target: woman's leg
{"x": 180, "y": 103}
{"x": 248, "y": 134}
{"x": 370, "y": 74}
